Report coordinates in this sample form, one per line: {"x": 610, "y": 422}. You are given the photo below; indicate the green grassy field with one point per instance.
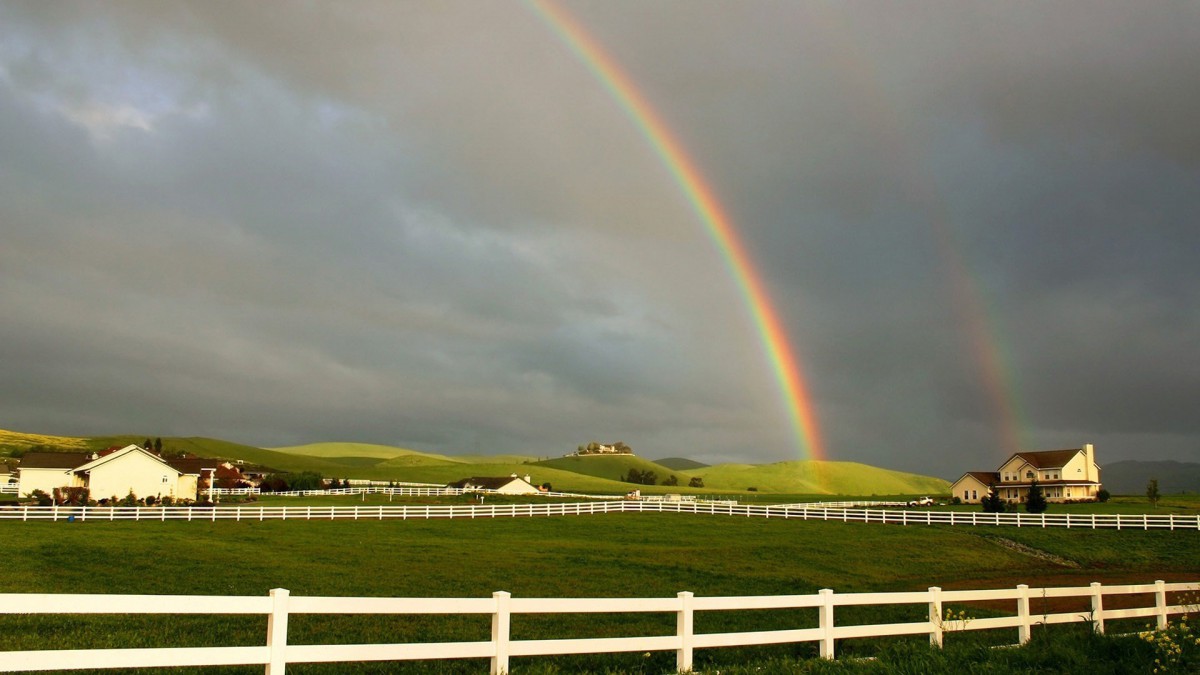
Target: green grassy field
{"x": 648, "y": 555}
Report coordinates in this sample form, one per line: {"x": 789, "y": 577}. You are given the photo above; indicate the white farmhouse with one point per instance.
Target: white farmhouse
{"x": 109, "y": 474}
{"x": 1070, "y": 474}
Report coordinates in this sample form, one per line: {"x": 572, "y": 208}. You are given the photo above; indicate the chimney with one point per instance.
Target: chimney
{"x": 1090, "y": 471}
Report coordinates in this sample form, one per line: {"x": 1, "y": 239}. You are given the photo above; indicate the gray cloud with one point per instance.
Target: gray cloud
{"x": 431, "y": 226}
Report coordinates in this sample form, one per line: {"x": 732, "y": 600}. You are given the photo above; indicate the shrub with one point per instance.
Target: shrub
{"x": 992, "y": 503}
{"x": 42, "y": 498}
{"x": 956, "y": 501}
{"x": 1036, "y": 501}
{"x": 1103, "y": 495}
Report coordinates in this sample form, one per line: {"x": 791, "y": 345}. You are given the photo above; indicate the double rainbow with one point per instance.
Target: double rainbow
{"x": 704, "y": 202}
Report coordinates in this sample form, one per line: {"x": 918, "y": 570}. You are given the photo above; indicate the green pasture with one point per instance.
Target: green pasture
{"x": 807, "y": 476}
{"x": 619, "y": 555}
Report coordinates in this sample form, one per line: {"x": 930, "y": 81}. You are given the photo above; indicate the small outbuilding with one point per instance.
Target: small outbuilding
{"x": 510, "y": 485}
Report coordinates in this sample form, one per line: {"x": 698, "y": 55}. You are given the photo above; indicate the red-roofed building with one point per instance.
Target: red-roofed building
{"x": 1063, "y": 475}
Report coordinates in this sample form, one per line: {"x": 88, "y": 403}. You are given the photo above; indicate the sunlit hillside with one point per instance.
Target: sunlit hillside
{"x": 16, "y": 440}
{"x": 383, "y": 452}
{"x": 613, "y": 467}
{"x": 847, "y": 478}
{"x": 596, "y": 473}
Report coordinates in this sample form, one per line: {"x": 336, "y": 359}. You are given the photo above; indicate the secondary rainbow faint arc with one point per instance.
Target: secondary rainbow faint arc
{"x": 704, "y": 201}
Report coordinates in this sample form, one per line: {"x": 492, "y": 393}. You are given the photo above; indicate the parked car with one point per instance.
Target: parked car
{"x": 923, "y": 501}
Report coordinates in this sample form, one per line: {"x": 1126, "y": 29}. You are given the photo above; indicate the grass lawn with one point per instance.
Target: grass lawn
{"x": 617, "y": 555}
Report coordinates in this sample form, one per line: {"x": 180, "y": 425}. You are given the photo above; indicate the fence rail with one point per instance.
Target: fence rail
{"x": 277, "y": 653}
{"x": 796, "y": 512}
{"x": 400, "y": 489}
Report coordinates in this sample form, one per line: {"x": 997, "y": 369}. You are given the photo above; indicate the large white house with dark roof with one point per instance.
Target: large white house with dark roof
{"x": 1063, "y": 475}
{"x": 107, "y": 474}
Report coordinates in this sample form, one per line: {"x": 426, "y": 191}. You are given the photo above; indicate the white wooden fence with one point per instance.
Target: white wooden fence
{"x": 502, "y": 607}
{"x": 403, "y": 489}
{"x": 1167, "y": 521}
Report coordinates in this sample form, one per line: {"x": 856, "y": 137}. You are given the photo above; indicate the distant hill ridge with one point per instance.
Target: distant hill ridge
{"x": 1129, "y": 477}
{"x": 680, "y": 463}
{"x": 601, "y": 474}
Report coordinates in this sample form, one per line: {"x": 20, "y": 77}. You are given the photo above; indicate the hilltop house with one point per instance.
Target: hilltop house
{"x": 115, "y": 472}
{"x": 1070, "y": 474}
{"x": 512, "y": 485}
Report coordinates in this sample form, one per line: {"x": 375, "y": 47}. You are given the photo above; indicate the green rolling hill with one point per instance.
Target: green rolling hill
{"x": 382, "y": 452}
{"x": 844, "y": 478}
{"x": 680, "y": 463}
{"x": 612, "y": 467}
{"x": 598, "y": 473}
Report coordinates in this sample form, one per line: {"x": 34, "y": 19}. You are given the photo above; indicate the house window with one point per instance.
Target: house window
{"x": 973, "y": 495}
{"x": 164, "y": 480}
{"x": 1029, "y": 475}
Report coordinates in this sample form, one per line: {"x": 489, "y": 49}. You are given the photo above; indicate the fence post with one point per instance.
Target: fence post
{"x": 1097, "y": 608}
{"x": 1160, "y": 603}
{"x": 825, "y": 617}
{"x": 501, "y": 627}
{"x": 277, "y": 622}
{"x": 1023, "y": 613}
{"x": 935, "y": 616}
{"x": 684, "y": 625}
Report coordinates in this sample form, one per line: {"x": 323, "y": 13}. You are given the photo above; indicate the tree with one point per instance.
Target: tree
{"x": 1152, "y": 492}
{"x": 991, "y": 502}
{"x": 671, "y": 480}
{"x": 147, "y": 445}
{"x": 696, "y": 482}
{"x": 1103, "y": 495}
{"x": 158, "y": 445}
{"x": 1036, "y": 501}
{"x": 306, "y": 480}
{"x": 274, "y": 482}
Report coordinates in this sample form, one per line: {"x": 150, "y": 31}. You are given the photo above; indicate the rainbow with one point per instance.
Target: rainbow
{"x": 859, "y": 76}
{"x": 704, "y": 202}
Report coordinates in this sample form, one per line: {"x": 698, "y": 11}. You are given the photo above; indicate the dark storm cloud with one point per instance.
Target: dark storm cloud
{"x": 429, "y": 225}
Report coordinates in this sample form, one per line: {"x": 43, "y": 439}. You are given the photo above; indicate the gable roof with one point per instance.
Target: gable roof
{"x": 191, "y": 465}
{"x": 485, "y": 482}
{"x": 127, "y": 450}
{"x": 54, "y": 460}
{"x": 1047, "y": 459}
{"x": 985, "y": 477}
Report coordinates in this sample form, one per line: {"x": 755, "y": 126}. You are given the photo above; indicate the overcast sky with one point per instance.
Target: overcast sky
{"x": 429, "y": 225}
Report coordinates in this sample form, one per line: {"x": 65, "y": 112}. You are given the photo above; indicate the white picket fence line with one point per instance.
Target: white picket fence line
{"x": 502, "y": 607}
{"x": 402, "y": 489}
{"x": 1168, "y": 521}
